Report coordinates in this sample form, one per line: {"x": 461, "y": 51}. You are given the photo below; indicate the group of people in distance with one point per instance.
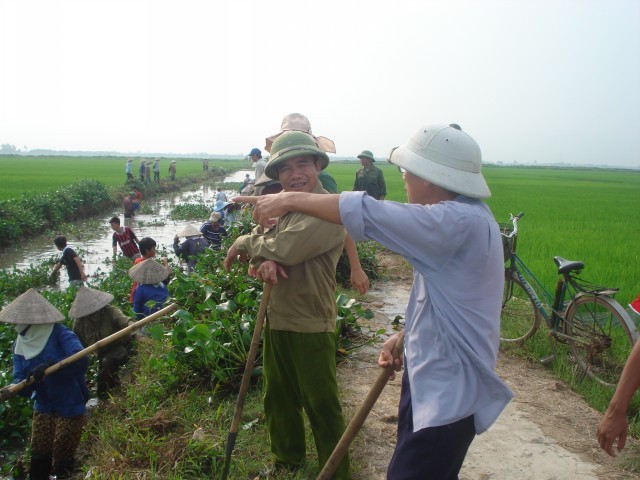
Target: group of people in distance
{"x": 450, "y": 392}
{"x": 145, "y": 169}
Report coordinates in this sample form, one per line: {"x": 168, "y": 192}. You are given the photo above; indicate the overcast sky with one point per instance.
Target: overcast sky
{"x": 532, "y": 81}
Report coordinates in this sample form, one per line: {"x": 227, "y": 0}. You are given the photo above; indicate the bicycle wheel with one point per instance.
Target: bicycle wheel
{"x": 600, "y": 337}
{"x": 519, "y": 318}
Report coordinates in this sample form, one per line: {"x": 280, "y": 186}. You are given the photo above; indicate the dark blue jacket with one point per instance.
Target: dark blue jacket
{"x": 65, "y": 392}
{"x": 145, "y": 293}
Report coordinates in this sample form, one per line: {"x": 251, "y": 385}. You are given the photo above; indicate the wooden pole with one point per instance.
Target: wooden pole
{"x": 246, "y": 377}
{"x": 358, "y": 419}
{"x": 10, "y": 390}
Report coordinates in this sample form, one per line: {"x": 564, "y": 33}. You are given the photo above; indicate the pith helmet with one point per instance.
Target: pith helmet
{"x": 300, "y": 123}
{"x": 89, "y": 300}
{"x": 30, "y": 308}
{"x": 367, "y": 154}
{"x": 445, "y": 156}
{"x": 293, "y": 144}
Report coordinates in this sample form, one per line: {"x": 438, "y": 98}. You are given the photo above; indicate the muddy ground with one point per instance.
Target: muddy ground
{"x": 547, "y": 432}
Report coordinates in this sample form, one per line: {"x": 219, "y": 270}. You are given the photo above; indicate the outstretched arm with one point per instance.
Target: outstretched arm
{"x": 614, "y": 427}
{"x": 269, "y": 207}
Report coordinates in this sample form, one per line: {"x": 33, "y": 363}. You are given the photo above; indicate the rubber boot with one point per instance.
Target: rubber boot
{"x": 63, "y": 468}
{"x": 40, "y": 467}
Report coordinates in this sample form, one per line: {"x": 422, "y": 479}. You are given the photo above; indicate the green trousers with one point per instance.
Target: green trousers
{"x": 300, "y": 373}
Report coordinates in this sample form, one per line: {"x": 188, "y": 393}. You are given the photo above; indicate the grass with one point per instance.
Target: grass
{"x": 39, "y": 174}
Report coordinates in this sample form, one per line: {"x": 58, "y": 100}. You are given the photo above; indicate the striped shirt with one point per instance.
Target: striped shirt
{"x": 128, "y": 242}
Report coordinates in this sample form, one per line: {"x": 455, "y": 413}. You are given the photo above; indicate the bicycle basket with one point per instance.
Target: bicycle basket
{"x": 507, "y": 242}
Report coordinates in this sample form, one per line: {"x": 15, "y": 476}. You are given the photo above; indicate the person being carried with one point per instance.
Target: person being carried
{"x": 151, "y": 292}
{"x": 60, "y": 398}
{"x": 300, "y": 123}
{"x": 126, "y": 238}
{"x": 299, "y": 256}
{"x": 370, "y": 178}
{"x": 71, "y": 261}
{"x": 450, "y": 391}
{"x": 95, "y": 319}
{"x": 213, "y": 232}
{"x": 129, "y": 207}
{"x": 192, "y": 246}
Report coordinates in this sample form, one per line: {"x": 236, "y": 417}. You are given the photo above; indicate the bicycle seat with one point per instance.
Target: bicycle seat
{"x": 565, "y": 265}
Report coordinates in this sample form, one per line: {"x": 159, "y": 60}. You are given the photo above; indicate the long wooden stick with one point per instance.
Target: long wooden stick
{"x": 358, "y": 419}
{"x": 10, "y": 390}
{"x": 246, "y": 377}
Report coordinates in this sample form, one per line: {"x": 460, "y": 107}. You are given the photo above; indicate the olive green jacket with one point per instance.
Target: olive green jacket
{"x": 101, "y": 324}
{"x": 371, "y": 181}
{"x": 309, "y": 250}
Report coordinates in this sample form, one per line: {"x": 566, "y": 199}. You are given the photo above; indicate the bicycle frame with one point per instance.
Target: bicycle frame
{"x": 551, "y": 307}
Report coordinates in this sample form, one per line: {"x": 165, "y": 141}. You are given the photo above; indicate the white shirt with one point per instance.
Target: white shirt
{"x": 259, "y": 170}
{"x": 452, "y": 325}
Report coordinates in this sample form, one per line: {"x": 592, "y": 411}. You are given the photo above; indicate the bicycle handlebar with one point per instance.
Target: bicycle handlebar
{"x": 514, "y": 219}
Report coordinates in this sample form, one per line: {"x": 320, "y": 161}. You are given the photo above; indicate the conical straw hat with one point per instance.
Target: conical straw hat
{"x": 189, "y": 231}
{"x": 30, "y": 308}
{"x": 89, "y": 300}
{"x": 148, "y": 272}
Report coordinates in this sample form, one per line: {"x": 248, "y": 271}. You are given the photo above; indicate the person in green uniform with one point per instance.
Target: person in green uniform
{"x": 298, "y": 256}
{"x": 94, "y": 319}
{"x": 370, "y": 178}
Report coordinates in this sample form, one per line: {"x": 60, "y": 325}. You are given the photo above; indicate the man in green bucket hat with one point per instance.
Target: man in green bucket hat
{"x": 298, "y": 256}
{"x": 370, "y": 178}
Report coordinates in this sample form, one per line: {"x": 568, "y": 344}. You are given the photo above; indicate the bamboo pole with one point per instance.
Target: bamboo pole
{"x": 246, "y": 377}
{"x": 358, "y": 419}
{"x": 11, "y": 390}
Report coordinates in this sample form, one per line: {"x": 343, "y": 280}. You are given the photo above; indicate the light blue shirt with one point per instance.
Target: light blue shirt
{"x": 452, "y": 325}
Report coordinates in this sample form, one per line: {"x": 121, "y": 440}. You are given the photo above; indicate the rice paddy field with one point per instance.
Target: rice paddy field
{"x": 37, "y": 174}
{"x": 579, "y": 214}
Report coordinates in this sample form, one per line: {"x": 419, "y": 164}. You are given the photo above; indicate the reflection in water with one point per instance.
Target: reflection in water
{"x": 92, "y": 238}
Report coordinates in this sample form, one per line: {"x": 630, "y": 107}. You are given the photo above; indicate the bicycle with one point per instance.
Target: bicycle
{"x": 585, "y": 316}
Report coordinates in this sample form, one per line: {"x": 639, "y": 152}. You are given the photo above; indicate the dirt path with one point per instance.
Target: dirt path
{"x": 547, "y": 432}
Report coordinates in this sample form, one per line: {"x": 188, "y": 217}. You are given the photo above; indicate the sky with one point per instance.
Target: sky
{"x": 532, "y": 81}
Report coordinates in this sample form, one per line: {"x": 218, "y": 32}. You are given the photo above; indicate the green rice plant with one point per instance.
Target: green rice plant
{"x": 584, "y": 215}
{"x": 40, "y": 174}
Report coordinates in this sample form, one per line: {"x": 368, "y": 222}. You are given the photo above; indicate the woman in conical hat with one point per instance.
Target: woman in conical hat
{"x": 193, "y": 245}
{"x": 94, "y": 319}
{"x": 60, "y": 398}
{"x": 149, "y": 276}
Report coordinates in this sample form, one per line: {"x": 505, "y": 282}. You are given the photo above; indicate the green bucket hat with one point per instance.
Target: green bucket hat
{"x": 367, "y": 154}
{"x": 293, "y": 144}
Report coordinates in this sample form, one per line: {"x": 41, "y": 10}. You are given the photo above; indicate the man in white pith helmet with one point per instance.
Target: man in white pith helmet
{"x": 450, "y": 391}
{"x": 299, "y": 256}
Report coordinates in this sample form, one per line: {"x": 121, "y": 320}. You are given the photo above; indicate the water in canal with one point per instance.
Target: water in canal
{"x": 94, "y": 245}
